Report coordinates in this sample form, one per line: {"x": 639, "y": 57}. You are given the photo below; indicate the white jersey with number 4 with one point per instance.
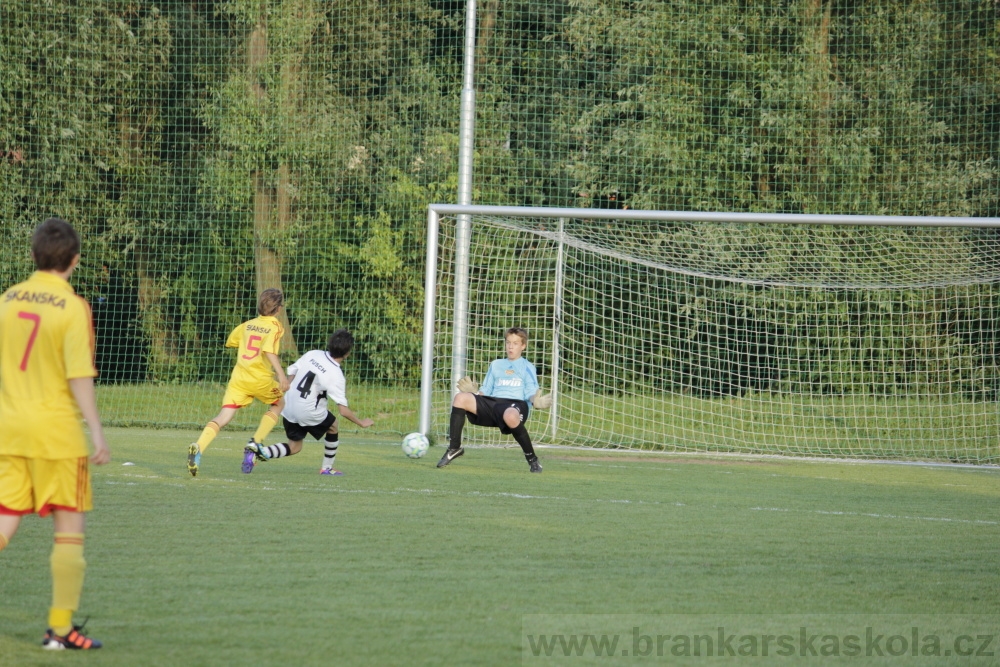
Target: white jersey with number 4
{"x": 317, "y": 377}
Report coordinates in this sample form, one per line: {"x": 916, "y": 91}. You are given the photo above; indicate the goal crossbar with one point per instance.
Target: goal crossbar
{"x": 702, "y": 216}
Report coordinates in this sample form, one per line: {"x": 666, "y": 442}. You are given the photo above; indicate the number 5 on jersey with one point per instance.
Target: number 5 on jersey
{"x": 252, "y": 348}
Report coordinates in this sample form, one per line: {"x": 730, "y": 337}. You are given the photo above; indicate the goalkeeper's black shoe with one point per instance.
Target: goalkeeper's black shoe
{"x": 450, "y": 455}
{"x": 535, "y": 466}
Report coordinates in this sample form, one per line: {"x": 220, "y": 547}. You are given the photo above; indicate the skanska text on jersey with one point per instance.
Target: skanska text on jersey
{"x": 256, "y": 329}
{"x": 41, "y": 298}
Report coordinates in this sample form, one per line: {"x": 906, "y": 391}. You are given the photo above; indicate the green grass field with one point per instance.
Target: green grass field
{"x": 398, "y": 563}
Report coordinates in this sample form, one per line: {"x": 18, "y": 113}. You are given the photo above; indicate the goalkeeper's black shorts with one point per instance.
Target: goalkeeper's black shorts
{"x": 489, "y": 411}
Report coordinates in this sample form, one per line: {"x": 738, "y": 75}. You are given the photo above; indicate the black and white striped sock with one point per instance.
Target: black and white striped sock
{"x": 330, "y": 449}
{"x": 277, "y": 451}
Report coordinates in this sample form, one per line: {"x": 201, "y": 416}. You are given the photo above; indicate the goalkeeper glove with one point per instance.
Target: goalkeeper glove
{"x": 543, "y": 402}
{"x": 467, "y": 384}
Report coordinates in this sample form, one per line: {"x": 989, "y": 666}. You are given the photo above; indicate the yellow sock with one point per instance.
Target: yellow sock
{"x": 267, "y": 422}
{"x": 61, "y": 621}
{"x": 207, "y": 436}
{"x": 68, "y": 567}
{"x": 3, "y": 541}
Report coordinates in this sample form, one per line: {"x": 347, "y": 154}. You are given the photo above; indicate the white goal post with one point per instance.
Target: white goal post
{"x": 826, "y": 335}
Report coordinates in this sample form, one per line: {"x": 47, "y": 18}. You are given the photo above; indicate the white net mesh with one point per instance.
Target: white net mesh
{"x": 795, "y": 339}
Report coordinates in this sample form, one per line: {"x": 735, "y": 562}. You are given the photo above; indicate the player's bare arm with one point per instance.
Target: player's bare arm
{"x": 86, "y": 399}
{"x": 279, "y": 371}
{"x": 349, "y": 415}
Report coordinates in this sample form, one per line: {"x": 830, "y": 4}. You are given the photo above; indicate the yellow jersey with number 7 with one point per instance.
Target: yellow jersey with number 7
{"x": 46, "y": 339}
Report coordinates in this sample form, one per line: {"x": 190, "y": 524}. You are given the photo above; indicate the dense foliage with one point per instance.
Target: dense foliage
{"x": 208, "y": 149}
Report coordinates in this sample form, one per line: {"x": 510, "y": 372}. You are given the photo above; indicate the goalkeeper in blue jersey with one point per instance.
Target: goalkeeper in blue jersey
{"x": 510, "y": 388}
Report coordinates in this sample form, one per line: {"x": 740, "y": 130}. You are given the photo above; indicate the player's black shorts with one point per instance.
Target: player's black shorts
{"x": 489, "y": 411}
{"x": 295, "y": 431}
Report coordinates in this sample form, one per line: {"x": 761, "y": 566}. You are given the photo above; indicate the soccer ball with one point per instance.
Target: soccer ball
{"x": 415, "y": 445}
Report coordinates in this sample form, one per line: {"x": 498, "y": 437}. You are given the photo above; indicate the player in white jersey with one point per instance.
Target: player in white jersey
{"x": 316, "y": 377}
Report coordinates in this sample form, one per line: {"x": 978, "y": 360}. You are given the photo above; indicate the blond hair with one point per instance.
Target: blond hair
{"x": 270, "y": 301}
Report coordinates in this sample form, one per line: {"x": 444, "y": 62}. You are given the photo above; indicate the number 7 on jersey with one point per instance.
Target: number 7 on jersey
{"x": 37, "y": 320}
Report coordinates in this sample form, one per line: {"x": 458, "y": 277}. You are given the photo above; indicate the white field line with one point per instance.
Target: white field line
{"x": 877, "y": 516}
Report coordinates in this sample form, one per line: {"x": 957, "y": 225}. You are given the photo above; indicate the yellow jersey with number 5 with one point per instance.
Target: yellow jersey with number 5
{"x": 251, "y": 340}
{"x": 46, "y": 339}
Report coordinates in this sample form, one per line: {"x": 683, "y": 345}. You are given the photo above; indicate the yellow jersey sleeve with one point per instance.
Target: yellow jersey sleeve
{"x": 78, "y": 344}
{"x": 235, "y": 336}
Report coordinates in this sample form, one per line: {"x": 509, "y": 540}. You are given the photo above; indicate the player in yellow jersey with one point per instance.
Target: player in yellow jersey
{"x": 46, "y": 384}
{"x": 257, "y": 365}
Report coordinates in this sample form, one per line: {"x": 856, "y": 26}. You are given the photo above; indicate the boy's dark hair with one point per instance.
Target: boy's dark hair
{"x": 340, "y": 343}
{"x": 54, "y": 244}
{"x": 270, "y": 301}
{"x": 517, "y": 331}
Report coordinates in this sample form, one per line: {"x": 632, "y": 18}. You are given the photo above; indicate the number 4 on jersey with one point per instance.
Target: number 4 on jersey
{"x": 305, "y": 384}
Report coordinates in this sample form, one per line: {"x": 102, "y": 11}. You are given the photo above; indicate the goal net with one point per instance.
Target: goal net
{"x": 802, "y": 335}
